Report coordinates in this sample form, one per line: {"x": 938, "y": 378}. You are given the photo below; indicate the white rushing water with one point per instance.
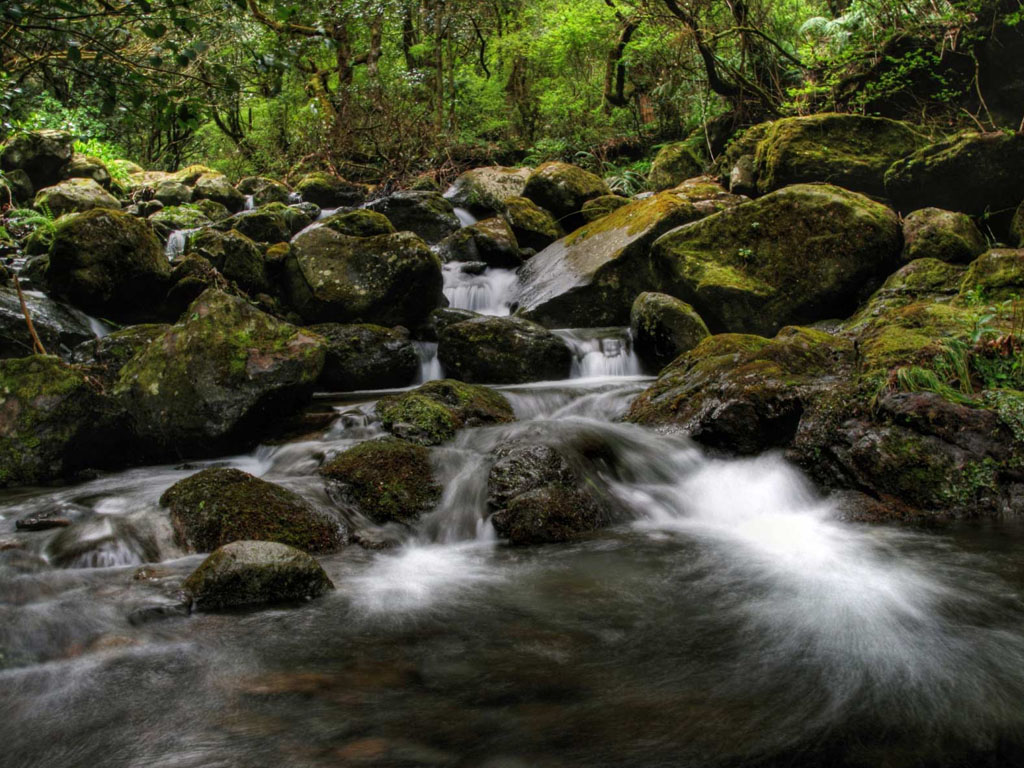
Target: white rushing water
{"x": 430, "y": 366}
{"x": 488, "y": 293}
{"x": 176, "y": 242}
{"x": 465, "y": 218}
{"x": 598, "y": 352}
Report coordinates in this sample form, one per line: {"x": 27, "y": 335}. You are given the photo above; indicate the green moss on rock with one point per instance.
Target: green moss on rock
{"x": 359, "y": 223}
{"x": 502, "y": 350}
{"x": 562, "y": 189}
{"x": 998, "y": 273}
{"x": 485, "y": 190}
{"x": 532, "y": 226}
{"x": 602, "y": 206}
{"x": 75, "y": 196}
{"x": 663, "y": 327}
{"x": 675, "y": 163}
{"x": 329, "y": 191}
{"x": 432, "y": 413}
{"x": 931, "y": 233}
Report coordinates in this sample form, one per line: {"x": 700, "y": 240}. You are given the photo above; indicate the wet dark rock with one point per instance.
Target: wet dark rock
{"x": 489, "y": 242}
{"x": 562, "y": 189}
{"x": 109, "y": 264}
{"x": 214, "y": 379}
{"x": 442, "y": 318}
{"x": 523, "y": 467}
{"x": 272, "y": 223}
{"x": 43, "y": 522}
{"x": 219, "y": 505}
{"x": 42, "y": 155}
{"x": 388, "y": 480}
{"x": 234, "y": 255}
{"x": 426, "y": 214}
{"x": 190, "y": 278}
{"x": 432, "y": 413}
{"x": 366, "y": 357}
{"x": 547, "y": 515}
{"x": 502, "y": 350}
{"x": 664, "y": 327}
{"x": 247, "y": 573}
{"x": 329, "y": 191}
{"x": 108, "y": 355}
{"x": 58, "y": 328}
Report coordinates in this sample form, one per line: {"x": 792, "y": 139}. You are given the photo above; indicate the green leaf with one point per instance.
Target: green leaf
{"x": 154, "y": 31}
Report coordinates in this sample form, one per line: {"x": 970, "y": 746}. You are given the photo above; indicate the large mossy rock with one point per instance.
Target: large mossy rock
{"x": 663, "y": 327}
{"x": 215, "y": 187}
{"x": 358, "y": 223}
{"x": 590, "y": 278}
{"x": 502, "y": 350}
{"x": 931, "y": 233}
{"x": 249, "y": 573}
{"x": 850, "y": 151}
{"x": 600, "y": 207}
{"x": 74, "y": 196}
{"x": 271, "y": 223}
{"x": 58, "y": 328}
{"x": 674, "y": 164}
{"x": 742, "y": 393}
{"x": 431, "y": 414}
{"x": 53, "y": 422}
{"x": 263, "y": 190}
{"x": 997, "y": 274}
{"x": 366, "y": 357}
{"x": 802, "y": 254}
{"x": 329, "y": 191}
{"x": 86, "y": 167}
{"x": 108, "y": 264}
{"x": 388, "y": 480}
{"x": 426, "y": 214}
{"x": 485, "y": 190}
{"x": 105, "y": 357}
{"x": 215, "y": 379}
{"x": 234, "y": 255}
{"x": 490, "y": 241}
{"x": 562, "y": 189}
{"x": 972, "y": 173}
{"x": 171, "y": 192}
{"x": 219, "y": 505}
{"x": 386, "y": 280}
{"x": 532, "y": 226}
{"x": 178, "y": 217}
{"x": 43, "y": 155}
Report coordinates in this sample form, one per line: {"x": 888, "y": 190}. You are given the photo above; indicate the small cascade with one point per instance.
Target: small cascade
{"x": 430, "y": 366}
{"x": 176, "y": 242}
{"x": 465, "y": 217}
{"x": 489, "y": 292}
{"x": 325, "y": 212}
{"x": 249, "y": 205}
{"x": 601, "y": 352}
{"x": 294, "y": 198}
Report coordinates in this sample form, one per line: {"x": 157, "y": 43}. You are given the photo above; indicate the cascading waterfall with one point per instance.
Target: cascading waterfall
{"x": 601, "y": 352}
{"x": 249, "y": 205}
{"x": 430, "y": 366}
{"x": 176, "y": 242}
{"x": 487, "y": 291}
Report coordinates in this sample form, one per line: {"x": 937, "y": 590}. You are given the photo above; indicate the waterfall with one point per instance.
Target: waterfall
{"x": 249, "y": 205}
{"x": 489, "y": 292}
{"x": 601, "y": 352}
{"x": 176, "y": 242}
{"x": 430, "y": 366}
{"x": 465, "y": 217}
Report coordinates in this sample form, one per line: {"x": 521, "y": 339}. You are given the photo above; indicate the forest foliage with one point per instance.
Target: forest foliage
{"x": 385, "y": 89}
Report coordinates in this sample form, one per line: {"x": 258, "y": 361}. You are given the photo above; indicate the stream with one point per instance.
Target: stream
{"x": 728, "y": 618}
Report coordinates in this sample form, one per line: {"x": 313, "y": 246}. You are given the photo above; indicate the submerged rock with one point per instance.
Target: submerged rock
{"x": 502, "y": 350}
{"x": 590, "y": 278}
{"x": 213, "y": 380}
{"x": 75, "y": 196}
{"x": 485, "y": 190}
{"x": 850, "y": 151}
{"x": 663, "y": 327}
{"x": 366, "y": 357}
{"x": 219, "y": 505}
{"x": 109, "y": 264}
{"x": 387, "y": 279}
{"x": 563, "y": 189}
{"x": 388, "y": 480}
{"x": 432, "y": 413}
{"x": 798, "y": 255}
{"x": 426, "y": 214}
{"x": 931, "y": 233}
{"x": 246, "y": 573}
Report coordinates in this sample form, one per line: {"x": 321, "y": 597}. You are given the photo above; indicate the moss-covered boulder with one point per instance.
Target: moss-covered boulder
{"x": 502, "y": 350}
{"x": 86, "y": 167}
{"x": 663, "y": 327}
{"x": 108, "y": 264}
{"x": 1017, "y": 227}
{"x": 191, "y": 277}
{"x": 18, "y": 186}
{"x": 176, "y": 218}
{"x": 234, "y": 255}
{"x": 263, "y": 190}
{"x": 998, "y": 274}
{"x": 249, "y": 573}
{"x": 562, "y": 189}
{"x": 602, "y": 206}
{"x": 432, "y": 413}
{"x": 426, "y": 214}
{"x": 547, "y": 515}
{"x": 171, "y": 192}
{"x": 216, "y": 187}
{"x": 387, "y": 279}
{"x": 802, "y": 254}
{"x": 105, "y": 357}
{"x": 358, "y": 223}
{"x": 211, "y": 209}
{"x": 485, "y": 190}
{"x": 329, "y": 191}
{"x": 270, "y": 223}
{"x": 58, "y": 328}
{"x": 931, "y": 233}
{"x": 213, "y": 381}
{"x": 43, "y": 155}
{"x": 532, "y": 226}
{"x": 707, "y": 195}
{"x": 675, "y": 163}
{"x": 971, "y": 173}
{"x": 590, "y": 278}
{"x": 53, "y": 422}
{"x": 191, "y": 174}
{"x": 490, "y": 241}
{"x": 743, "y": 393}
{"x": 850, "y": 151}
{"x": 366, "y": 357}
{"x": 387, "y": 480}
{"x": 735, "y": 167}
{"x": 219, "y": 505}
{"x": 74, "y": 196}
